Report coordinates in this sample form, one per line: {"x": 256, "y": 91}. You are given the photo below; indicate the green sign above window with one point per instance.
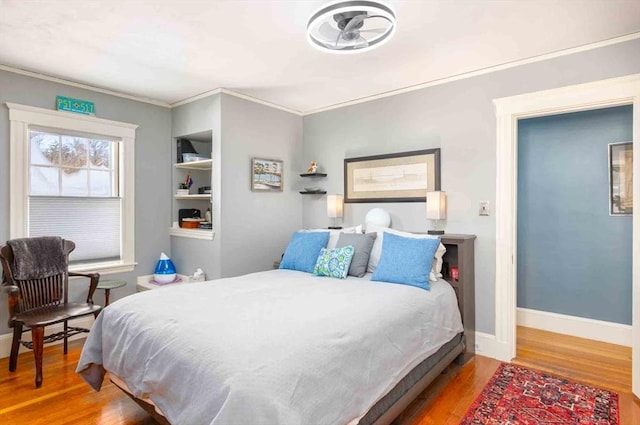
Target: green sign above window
{"x": 75, "y": 105}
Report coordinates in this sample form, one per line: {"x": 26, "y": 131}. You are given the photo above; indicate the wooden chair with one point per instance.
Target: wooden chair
{"x": 37, "y": 303}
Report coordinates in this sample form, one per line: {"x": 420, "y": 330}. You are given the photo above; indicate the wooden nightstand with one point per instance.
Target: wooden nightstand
{"x": 276, "y": 264}
{"x": 460, "y": 256}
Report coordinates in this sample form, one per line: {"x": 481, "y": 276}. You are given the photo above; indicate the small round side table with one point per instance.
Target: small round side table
{"x": 108, "y": 285}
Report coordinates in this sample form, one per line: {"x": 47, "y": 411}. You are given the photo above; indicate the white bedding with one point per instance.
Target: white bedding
{"x": 276, "y": 347}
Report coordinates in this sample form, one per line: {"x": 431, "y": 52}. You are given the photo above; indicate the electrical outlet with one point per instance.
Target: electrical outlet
{"x": 477, "y": 347}
{"x": 484, "y": 208}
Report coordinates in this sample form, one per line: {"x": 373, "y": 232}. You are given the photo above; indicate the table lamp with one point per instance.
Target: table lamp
{"x": 334, "y": 209}
{"x": 436, "y": 211}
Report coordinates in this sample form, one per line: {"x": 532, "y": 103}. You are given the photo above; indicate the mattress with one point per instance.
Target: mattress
{"x": 270, "y": 347}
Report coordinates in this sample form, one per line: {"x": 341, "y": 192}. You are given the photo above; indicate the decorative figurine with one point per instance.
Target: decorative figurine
{"x": 313, "y": 168}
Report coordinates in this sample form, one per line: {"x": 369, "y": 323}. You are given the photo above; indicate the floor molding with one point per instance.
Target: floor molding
{"x": 487, "y": 345}
{"x": 5, "y": 340}
{"x": 613, "y": 333}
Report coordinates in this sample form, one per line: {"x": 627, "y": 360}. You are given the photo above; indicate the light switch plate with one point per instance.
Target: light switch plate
{"x": 484, "y": 208}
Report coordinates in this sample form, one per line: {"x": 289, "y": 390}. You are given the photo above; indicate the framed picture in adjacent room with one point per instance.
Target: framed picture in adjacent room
{"x": 398, "y": 177}
{"x": 621, "y": 178}
{"x": 266, "y": 175}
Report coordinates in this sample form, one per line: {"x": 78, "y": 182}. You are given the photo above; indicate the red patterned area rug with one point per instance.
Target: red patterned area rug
{"x": 519, "y": 396}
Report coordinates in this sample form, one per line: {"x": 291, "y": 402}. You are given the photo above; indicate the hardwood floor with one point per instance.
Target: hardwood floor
{"x": 593, "y": 362}
{"x": 65, "y": 399}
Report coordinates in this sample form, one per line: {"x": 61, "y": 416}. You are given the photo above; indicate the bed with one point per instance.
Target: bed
{"x": 276, "y": 347}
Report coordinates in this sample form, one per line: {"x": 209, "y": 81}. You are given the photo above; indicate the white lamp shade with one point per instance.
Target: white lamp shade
{"x": 378, "y": 217}
{"x": 334, "y": 206}
{"x": 436, "y": 205}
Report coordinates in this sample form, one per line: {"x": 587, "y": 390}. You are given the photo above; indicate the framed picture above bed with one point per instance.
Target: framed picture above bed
{"x": 621, "y": 178}
{"x": 397, "y": 177}
{"x": 266, "y": 175}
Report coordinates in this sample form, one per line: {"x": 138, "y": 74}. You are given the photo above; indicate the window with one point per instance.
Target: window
{"x": 72, "y": 176}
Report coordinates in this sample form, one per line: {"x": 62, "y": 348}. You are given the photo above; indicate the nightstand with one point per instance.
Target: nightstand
{"x": 144, "y": 283}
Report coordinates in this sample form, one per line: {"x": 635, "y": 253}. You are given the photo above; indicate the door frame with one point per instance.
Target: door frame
{"x": 581, "y": 97}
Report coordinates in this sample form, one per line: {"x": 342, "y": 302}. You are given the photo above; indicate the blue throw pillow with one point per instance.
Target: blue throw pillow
{"x": 303, "y": 249}
{"x": 406, "y": 260}
{"x": 334, "y": 262}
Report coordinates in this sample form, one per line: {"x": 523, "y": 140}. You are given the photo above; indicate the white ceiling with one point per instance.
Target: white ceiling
{"x": 170, "y": 50}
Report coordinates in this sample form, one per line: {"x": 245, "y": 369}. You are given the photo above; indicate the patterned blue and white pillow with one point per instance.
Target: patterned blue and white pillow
{"x": 334, "y": 262}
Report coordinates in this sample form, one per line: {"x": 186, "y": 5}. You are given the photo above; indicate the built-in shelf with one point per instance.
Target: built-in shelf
{"x": 313, "y": 175}
{"x": 195, "y": 196}
{"x": 176, "y": 230}
{"x": 204, "y": 164}
{"x": 313, "y": 193}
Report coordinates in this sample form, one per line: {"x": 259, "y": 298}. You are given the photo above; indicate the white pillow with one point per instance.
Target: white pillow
{"x": 376, "y": 251}
{"x": 335, "y": 234}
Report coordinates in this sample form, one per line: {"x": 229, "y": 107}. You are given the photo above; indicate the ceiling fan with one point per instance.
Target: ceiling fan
{"x": 351, "y": 26}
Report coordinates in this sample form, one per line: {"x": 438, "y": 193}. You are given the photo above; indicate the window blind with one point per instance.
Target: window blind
{"x": 92, "y": 223}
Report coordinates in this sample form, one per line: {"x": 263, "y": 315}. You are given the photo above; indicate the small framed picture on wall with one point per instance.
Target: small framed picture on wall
{"x": 621, "y": 178}
{"x": 266, "y": 175}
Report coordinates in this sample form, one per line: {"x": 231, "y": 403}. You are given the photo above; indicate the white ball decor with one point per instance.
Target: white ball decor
{"x": 378, "y": 217}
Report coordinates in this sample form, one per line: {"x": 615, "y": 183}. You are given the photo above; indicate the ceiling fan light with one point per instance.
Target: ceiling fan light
{"x": 351, "y": 26}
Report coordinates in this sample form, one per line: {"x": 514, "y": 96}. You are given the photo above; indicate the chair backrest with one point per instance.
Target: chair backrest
{"x": 40, "y": 292}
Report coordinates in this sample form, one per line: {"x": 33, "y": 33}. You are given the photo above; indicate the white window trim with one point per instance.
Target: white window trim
{"x": 20, "y": 118}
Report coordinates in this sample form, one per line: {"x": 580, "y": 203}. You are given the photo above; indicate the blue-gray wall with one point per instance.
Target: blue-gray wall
{"x": 152, "y": 174}
{"x": 458, "y": 117}
{"x": 256, "y": 226}
{"x": 251, "y": 229}
{"x": 573, "y": 257}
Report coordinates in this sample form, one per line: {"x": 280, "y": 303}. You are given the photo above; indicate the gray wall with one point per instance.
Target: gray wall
{"x": 153, "y": 173}
{"x": 458, "y": 117}
{"x": 573, "y": 257}
{"x": 189, "y": 254}
{"x": 256, "y": 226}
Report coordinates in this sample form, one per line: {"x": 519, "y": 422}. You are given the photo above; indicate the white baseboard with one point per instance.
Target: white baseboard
{"x": 613, "y": 333}
{"x": 488, "y": 346}
{"x": 5, "y": 340}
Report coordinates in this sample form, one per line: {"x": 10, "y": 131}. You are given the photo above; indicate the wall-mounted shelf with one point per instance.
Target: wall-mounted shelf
{"x": 204, "y": 164}
{"x": 313, "y": 175}
{"x": 205, "y": 196}
{"x": 303, "y": 192}
{"x": 176, "y": 230}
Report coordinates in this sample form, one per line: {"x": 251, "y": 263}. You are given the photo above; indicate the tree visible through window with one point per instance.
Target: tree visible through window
{"x": 64, "y": 165}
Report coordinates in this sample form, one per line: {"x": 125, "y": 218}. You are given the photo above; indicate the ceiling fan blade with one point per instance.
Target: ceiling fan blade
{"x": 375, "y": 30}
{"x": 361, "y": 43}
{"x": 328, "y": 32}
{"x": 355, "y": 22}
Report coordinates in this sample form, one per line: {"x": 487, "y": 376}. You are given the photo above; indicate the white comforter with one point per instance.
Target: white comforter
{"x": 276, "y": 347}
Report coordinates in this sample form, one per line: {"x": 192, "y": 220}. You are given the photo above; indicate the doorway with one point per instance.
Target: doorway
{"x": 574, "y": 246}
{"x": 584, "y": 97}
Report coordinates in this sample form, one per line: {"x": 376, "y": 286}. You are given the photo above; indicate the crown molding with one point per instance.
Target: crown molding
{"x": 262, "y": 102}
{"x": 420, "y": 86}
{"x": 513, "y": 64}
{"x": 196, "y": 97}
{"x": 238, "y": 95}
{"x": 82, "y": 86}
